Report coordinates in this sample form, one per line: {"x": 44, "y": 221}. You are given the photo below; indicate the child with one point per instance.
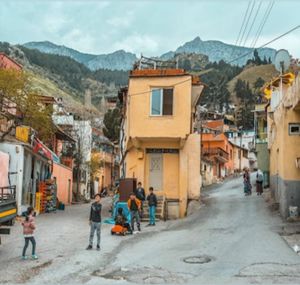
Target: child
{"x": 95, "y": 222}
{"x": 121, "y": 220}
{"x": 28, "y": 231}
{"x": 152, "y": 202}
{"x": 134, "y": 206}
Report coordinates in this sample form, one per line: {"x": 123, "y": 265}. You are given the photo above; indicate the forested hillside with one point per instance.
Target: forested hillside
{"x": 229, "y": 88}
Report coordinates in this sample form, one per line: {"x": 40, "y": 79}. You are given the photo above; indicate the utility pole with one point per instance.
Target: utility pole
{"x": 78, "y": 167}
{"x": 241, "y": 135}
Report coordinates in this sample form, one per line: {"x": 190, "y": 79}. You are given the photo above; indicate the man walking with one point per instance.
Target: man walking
{"x": 134, "y": 206}
{"x": 140, "y": 194}
{"x": 95, "y": 221}
{"x": 152, "y": 203}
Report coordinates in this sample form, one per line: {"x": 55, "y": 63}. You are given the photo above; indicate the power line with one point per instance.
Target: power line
{"x": 247, "y": 22}
{"x": 253, "y": 21}
{"x": 148, "y": 91}
{"x": 263, "y": 22}
{"x": 239, "y": 34}
{"x": 269, "y": 42}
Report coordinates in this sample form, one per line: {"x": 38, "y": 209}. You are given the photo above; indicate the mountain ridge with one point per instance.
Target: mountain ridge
{"x": 122, "y": 60}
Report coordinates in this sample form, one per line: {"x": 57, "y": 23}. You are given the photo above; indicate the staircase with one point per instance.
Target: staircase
{"x": 160, "y": 209}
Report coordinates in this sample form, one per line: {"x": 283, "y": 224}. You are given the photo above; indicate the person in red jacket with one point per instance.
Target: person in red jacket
{"x": 28, "y": 232}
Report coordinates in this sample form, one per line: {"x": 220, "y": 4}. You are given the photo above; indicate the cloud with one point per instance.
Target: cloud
{"x": 120, "y": 22}
{"x": 138, "y": 44}
{"x": 80, "y": 40}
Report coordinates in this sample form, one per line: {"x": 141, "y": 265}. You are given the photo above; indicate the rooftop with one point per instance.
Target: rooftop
{"x": 157, "y": 72}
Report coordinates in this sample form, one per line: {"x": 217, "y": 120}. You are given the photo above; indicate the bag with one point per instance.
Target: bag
{"x": 260, "y": 177}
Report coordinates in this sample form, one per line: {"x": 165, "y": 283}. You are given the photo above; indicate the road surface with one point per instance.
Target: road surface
{"x": 236, "y": 236}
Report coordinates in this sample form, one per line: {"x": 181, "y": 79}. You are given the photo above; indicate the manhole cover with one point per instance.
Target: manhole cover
{"x": 197, "y": 259}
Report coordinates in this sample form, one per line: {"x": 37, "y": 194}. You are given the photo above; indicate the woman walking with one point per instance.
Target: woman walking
{"x": 28, "y": 231}
{"x": 259, "y": 182}
{"x": 247, "y": 182}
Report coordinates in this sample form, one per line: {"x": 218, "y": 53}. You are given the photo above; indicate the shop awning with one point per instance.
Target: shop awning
{"x": 39, "y": 147}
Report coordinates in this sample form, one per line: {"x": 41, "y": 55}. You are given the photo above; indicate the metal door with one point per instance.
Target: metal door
{"x": 156, "y": 171}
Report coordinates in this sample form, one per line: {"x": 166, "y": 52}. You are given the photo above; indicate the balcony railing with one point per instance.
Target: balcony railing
{"x": 215, "y": 151}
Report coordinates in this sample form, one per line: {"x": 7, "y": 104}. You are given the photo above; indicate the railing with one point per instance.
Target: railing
{"x": 7, "y": 193}
{"x": 215, "y": 151}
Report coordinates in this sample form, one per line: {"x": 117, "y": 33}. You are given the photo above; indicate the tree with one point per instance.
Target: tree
{"x": 257, "y": 60}
{"x": 19, "y": 104}
{"x": 259, "y": 83}
{"x": 112, "y": 120}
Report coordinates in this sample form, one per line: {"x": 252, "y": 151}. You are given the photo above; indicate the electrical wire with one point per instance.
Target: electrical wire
{"x": 148, "y": 91}
{"x": 269, "y": 42}
{"x": 237, "y": 58}
{"x": 263, "y": 22}
{"x": 241, "y": 28}
{"x": 247, "y": 22}
{"x": 252, "y": 24}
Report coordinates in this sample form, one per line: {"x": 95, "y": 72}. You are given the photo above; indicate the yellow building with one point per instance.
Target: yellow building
{"x": 284, "y": 141}
{"x": 157, "y": 141}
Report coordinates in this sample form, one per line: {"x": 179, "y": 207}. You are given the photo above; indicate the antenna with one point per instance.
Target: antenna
{"x": 282, "y": 60}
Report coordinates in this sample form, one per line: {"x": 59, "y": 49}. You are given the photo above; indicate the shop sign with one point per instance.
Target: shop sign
{"x": 162, "y": 150}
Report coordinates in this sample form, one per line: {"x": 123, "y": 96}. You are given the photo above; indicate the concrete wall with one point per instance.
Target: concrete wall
{"x": 284, "y": 149}
{"x": 286, "y": 192}
{"x": 16, "y": 164}
{"x": 181, "y": 171}
{"x": 64, "y": 181}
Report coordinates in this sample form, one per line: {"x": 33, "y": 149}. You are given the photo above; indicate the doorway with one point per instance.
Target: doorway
{"x": 156, "y": 171}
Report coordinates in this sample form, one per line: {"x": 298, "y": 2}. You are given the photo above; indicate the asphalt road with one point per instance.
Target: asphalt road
{"x": 236, "y": 236}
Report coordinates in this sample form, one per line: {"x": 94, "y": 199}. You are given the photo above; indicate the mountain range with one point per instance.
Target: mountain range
{"x": 122, "y": 60}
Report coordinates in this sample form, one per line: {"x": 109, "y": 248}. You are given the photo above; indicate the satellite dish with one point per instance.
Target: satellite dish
{"x": 282, "y": 60}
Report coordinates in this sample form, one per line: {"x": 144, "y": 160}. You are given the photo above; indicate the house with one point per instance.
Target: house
{"x": 284, "y": 140}
{"x": 28, "y": 165}
{"x": 245, "y": 139}
{"x": 240, "y": 157}
{"x": 103, "y": 155}
{"x": 158, "y": 146}
{"x": 217, "y": 148}
{"x": 207, "y": 172}
{"x": 7, "y": 62}
{"x": 261, "y": 140}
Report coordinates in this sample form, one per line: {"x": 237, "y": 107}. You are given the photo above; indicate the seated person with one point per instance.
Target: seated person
{"x": 121, "y": 220}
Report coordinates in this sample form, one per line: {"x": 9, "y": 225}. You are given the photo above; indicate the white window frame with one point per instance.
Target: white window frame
{"x": 161, "y": 101}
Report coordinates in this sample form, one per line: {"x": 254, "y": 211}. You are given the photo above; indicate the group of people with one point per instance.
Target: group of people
{"x": 248, "y": 185}
{"x": 135, "y": 205}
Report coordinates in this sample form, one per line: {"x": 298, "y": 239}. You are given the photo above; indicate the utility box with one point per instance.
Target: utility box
{"x": 127, "y": 186}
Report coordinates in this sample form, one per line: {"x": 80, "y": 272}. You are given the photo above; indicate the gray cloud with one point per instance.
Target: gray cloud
{"x": 150, "y": 27}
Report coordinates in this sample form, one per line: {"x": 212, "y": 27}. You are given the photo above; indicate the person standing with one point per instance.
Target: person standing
{"x": 152, "y": 203}
{"x": 140, "y": 194}
{"x": 259, "y": 182}
{"x": 247, "y": 182}
{"x": 95, "y": 222}
{"x": 134, "y": 206}
{"x": 28, "y": 231}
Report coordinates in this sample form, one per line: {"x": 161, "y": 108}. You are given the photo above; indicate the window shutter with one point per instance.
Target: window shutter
{"x": 168, "y": 102}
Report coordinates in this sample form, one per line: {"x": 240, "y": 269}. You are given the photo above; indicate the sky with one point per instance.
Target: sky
{"x": 147, "y": 27}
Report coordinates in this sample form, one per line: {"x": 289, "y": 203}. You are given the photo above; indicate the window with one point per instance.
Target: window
{"x": 294, "y": 129}
{"x": 162, "y": 102}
